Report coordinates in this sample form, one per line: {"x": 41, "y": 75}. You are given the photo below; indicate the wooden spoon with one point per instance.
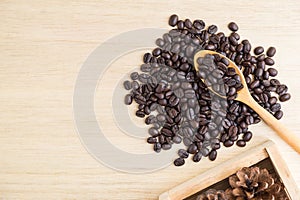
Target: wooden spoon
{"x": 244, "y": 96}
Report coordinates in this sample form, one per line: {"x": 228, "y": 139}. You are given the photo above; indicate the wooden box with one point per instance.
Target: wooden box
{"x": 265, "y": 155}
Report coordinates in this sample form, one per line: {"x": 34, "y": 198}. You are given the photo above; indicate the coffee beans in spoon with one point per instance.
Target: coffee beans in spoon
{"x": 177, "y": 105}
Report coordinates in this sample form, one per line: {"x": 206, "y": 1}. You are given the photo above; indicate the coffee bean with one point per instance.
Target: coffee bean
{"x": 180, "y": 24}
{"x": 281, "y": 89}
{"x": 228, "y": 143}
{"x": 192, "y": 149}
{"x": 177, "y": 139}
{"x": 140, "y": 114}
{"x": 199, "y": 24}
{"x": 197, "y": 157}
{"x": 241, "y": 143}
{"x": 269, "y": 61}
{"x": 128, "y": 99}
{"x": 284, "y": 97}
{"x": 147, "y": 57}
{"x": 188, "y": 23}
{"x": 157, "y": 147}
{"x": 183, "y": 153}
{"x": 233, "y": 26}
{"x": 151, "y": 140}
{"x": 127, "y": 85}
{"x": 247, "y": 136}
{"x": 271, "y": 51}
{"x": 156, "y": 52}
{"x": 258, "y": 50}
{"x": 179, "y": 162}
{"x": 278, "y": 114}
{"x": 153, "y": 132}
{"x": 273, "y": 72}
{"x": 212, "y": 155}
{"x": 173, "y": 20}
{"x": 166, "y": 146}
{"x": 259, "y": 72}
{"x": 160, "y": 42}
{"x": 276, "y": 107}
{"x": 212, "y": 29}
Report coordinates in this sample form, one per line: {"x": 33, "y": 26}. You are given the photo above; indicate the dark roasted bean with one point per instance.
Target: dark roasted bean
{"x": 258, "y": 50}
{"x": 127, "y": 85}
{"x": 278, "y": 114}
{"x": 128, "y": 99}
{"x": 233, "y": 26}
{"x": 269, "y": 61}
{"x": 241, "y": 143}
{"x": 271, "y": 51}
{"x": 199, "y": 24}
{"x": 284, "y": 97}
{"x": 173, "y": 20}
{"x": 212, "y": 29}
{"x": 197, "y": 157}
{"x": 212, "y": 155}
{"x": 247, "y": 136}
{"x": 157, "y": 147}
{"x": 273, "y": 72}
{"x": 151, "y": 140}
{"x": 179, "y": 162}
{"x": 183, "y": 153}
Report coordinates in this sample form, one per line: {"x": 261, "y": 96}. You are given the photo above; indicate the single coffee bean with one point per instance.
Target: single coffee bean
{"x": 192, "y": 149}
{"x": 273, "y": 72}
{"x": 284, "y": 97}
{"x": 197, "y": 157}
{"x": 128, "y": 99}
{"x": 156, "y": 52}
{"x": 269, "y": 61}
{"x": 147, "y": 57}
{"x": 258, "y": 50}
{"x": 183, "y": 153}
{"x": 278, "y": 114}
{"x": 173, "y": 20}
{"x": 127, "y": 85}
{"x": 151, "y": 140}
{"x": 281, "y": 89}
{"x": 241, "y": 143}
{"x": 140, "y": 114}
{"x": 212, "y": 29}
{"x": 199, "y": 24}
{"x": 180, "y": 24}
{"x": 228, "y": 143}
{"x": 134, "y": 75}
{"x": 212, "y": 155}
{"x": 153, "y": 131}
{"x": 177, "y": 139}
{"x": 271, "y": 51}
{"x": 166, "y": 146}
{"x": 179, "y": 162}
{"x": 157, "y": 147}
{"x": 188, "y": 23}
{"x": 247, "y": 136}
{"x": 233, "y": 26}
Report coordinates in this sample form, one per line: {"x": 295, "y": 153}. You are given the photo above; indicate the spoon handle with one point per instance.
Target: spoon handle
{"x": 289, "y": 137}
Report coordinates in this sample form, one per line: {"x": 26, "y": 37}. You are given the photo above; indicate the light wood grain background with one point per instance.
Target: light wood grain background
{"x": 42, "y": 47}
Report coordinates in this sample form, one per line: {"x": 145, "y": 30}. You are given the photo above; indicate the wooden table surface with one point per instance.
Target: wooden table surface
{"x": 43, "y": 46}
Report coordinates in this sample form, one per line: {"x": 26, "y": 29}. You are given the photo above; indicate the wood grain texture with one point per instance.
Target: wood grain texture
{"x": 43, "y": 45}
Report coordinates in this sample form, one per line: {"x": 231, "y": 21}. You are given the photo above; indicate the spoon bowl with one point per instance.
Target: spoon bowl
{"x": 244, "y": 96}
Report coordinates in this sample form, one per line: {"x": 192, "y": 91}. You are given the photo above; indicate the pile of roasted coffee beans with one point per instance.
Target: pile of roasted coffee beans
{"x": 179, "y": 107}
{"x": 216, "y": 74}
